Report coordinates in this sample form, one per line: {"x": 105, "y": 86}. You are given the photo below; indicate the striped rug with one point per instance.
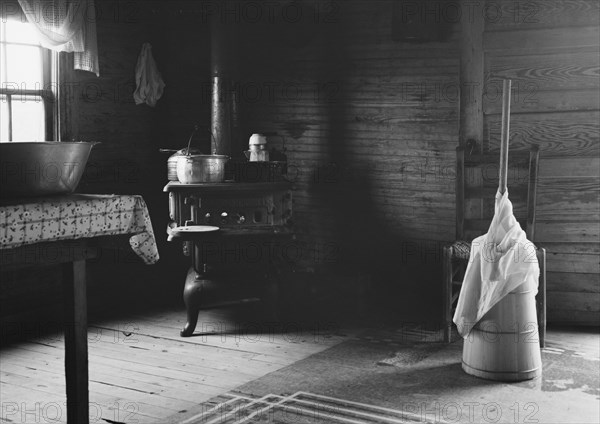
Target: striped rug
{"x": 300, "y": 408}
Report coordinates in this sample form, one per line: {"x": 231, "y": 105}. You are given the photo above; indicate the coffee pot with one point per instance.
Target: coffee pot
{"x": 257, "y": 149}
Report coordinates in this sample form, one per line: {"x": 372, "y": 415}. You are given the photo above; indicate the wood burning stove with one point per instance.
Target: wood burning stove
{"x": 258, "y": 206}
{"x": 257, "y": 214}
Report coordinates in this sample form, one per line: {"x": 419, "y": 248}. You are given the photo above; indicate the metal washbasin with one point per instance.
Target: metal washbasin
{"x": 42, "y": 168}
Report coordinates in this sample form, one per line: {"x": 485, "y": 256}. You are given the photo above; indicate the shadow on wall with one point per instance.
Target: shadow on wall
{"x": 346, "y": 184}
{"x": 338, "y": 201}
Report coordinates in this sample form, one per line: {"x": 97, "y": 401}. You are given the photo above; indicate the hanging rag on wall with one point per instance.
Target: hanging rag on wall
{"x": 149, "y": 83}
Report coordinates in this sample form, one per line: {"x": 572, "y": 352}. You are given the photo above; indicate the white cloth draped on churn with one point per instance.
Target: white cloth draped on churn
{"x": 66, "y": 25}
{"x": 501, "y": 260}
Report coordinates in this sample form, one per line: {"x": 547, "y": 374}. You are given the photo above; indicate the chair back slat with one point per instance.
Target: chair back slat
{"x": 493, "y": 159}
{"x": 519, "y": 192}
{"x": 481, "y": 205}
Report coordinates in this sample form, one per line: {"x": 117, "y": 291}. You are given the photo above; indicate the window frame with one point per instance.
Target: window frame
{"x": 48, "y": 91}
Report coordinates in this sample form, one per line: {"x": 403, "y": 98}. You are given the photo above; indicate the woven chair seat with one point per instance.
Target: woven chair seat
{"x": 461, "y": 249}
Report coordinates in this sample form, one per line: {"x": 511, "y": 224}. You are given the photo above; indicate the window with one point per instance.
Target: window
{"x": 28, "y": 106}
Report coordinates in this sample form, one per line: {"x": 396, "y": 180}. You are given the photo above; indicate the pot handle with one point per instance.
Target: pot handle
{"x": 213, "y": 140}
{"x": 190, "y": 140}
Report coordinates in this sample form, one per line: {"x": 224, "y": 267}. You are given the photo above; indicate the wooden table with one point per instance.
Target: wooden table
{"x": 72, "y": 258}
{"x": 65, "y": 225}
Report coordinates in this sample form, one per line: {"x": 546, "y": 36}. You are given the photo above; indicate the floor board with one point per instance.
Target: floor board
{"x": 141, "y": 369}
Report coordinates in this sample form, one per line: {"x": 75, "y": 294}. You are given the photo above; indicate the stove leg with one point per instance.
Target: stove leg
{"x": 192, "y": 296}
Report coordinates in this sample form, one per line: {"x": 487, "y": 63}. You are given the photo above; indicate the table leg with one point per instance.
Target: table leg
{"x": 76, "y": 354}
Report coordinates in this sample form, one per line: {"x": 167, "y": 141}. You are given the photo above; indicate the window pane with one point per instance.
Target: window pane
{"x": 2, "y": 65}
{"x": 3, "y": 119}
{"x": 28, "y": 119}
{"x": 24, "y": 68}
{"x": 20, "y": 32}
{"x": 21, "y": 68}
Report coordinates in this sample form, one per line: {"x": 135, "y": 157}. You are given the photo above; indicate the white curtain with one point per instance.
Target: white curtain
{"x": 66, "y": 25}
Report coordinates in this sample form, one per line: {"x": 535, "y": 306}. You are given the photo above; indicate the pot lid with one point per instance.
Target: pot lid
{"x": 257, "y": 139}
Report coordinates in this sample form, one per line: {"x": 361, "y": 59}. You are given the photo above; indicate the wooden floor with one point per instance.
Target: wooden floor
{"x": 141, "y": 371}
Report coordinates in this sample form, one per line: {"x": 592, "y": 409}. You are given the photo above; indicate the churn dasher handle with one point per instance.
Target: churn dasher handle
{"x": 505, "y": 135}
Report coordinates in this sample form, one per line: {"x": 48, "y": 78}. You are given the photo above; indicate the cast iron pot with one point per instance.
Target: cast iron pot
{"x": 172, "y": 161}
{"x": 193, "y": 169}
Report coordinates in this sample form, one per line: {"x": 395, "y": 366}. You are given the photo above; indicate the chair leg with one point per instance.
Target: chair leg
{"x": 447, "y": 293}
{"x": 541, "y": 296}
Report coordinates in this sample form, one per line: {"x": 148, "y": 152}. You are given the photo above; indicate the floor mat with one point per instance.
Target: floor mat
{"x": 300, "y": 407}
{"x": 350, "y": 383}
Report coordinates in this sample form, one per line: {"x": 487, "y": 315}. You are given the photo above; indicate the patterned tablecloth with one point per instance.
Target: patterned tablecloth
{"x": 29, "y": 221}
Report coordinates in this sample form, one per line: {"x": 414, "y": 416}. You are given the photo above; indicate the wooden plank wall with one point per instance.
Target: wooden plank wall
{"x": 370, "y": 126}
{"x": 103, "y": 109}
{"x": 128, "y": 160}
{"x": 549, "y": 48}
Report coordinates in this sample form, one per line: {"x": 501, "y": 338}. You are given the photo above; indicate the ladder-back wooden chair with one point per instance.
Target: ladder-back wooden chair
{"x": 476, "y": 186}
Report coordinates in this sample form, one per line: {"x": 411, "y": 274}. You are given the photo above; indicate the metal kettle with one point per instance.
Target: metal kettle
{"x": 258, "y": 149}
